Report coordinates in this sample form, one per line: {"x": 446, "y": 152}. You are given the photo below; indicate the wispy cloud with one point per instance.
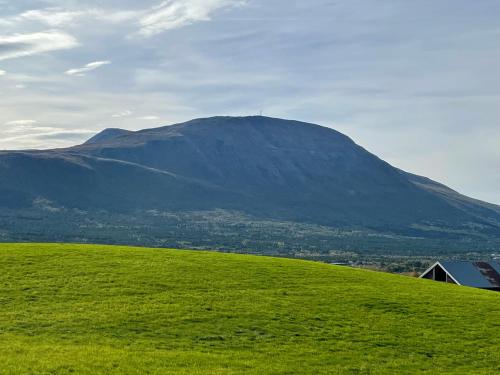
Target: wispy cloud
{"x": 19, "y": 45}
{"x": 59, "y": 17}
{"x": 28, "y": 134}
{"x": 172, "y": 14}
{"x": 54, "y": 17}
{"x": 47, "y": 140}
{"x": 66, "y": 135}
{"x": 87, "y": 68}
{"x": 28, "y": 129}
{"x": 125, "y": 113}
{"x": 117, "y": 16}
{"x": 20, "y": 122}
{"x": 150, "y": 118}
{"x": 169, "y": 14}
{"x": 2, "y": 72}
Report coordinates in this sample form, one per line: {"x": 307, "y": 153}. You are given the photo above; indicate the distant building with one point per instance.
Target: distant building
{"x": 339, "y": 264}
{"x": 483, "y": 275}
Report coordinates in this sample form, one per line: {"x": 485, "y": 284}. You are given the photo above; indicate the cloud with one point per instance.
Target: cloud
{"x": 87, "y": 68}
{"x": 28, "y": 129}
{"x": 20, "y": 122}
{"x": 28, "y": 135}
{"x": 66, "y": 135}
{"x": 54, "y": 17}
{"x": 122, "y": 114}
{"x": 169, "y": 14}
{"x": 19, "y": 45}
{"x": 172, "y": 14}
{"x": 58, "y": 17}
{"x": 58, "y": 137}
{"x": 2, "y": 72}
{"x": 148, "y": 118}
{"x": 117, "y": 16}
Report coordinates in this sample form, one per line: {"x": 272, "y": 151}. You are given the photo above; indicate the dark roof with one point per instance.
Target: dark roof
{"x": 475, "y": 274}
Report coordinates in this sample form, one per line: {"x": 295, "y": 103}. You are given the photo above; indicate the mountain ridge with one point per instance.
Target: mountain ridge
{"x": 265, "y": 167}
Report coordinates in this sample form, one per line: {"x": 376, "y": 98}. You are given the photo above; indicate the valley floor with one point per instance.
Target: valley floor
{"x": 68, "y": 309}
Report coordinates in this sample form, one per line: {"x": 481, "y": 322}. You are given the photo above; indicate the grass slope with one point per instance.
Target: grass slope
{"x": 94, "y": 309}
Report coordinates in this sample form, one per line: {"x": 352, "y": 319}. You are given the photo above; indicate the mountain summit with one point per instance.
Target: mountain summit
{"x": 267, "y": 168}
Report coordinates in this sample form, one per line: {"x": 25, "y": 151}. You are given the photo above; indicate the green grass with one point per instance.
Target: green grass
{"x": 116, "y": 310}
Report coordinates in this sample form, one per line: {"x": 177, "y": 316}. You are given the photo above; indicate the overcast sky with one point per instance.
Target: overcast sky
{"x": 415, "y": 82}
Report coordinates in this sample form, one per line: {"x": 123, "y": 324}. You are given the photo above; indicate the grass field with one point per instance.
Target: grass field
{"x": 73, "y": 309}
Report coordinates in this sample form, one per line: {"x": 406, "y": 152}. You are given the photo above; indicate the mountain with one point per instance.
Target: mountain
{"x": 107, "y": 134}
{"x": 262, "y": 168}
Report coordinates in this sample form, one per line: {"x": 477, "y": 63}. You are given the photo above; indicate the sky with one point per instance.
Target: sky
{"x": 415, "y": 82}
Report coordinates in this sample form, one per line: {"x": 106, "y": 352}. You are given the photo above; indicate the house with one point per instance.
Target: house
{"x": 484, "y": 275}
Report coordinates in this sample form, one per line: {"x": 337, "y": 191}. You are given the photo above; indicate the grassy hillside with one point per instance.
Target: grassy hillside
{"x": 93, "y": 309}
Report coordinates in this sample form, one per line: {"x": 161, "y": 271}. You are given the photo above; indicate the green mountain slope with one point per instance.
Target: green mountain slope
{"x": 93, "y": 309}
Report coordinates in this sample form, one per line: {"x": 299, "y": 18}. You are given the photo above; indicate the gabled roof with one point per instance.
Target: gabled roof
{"x": 475, "y": 274}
